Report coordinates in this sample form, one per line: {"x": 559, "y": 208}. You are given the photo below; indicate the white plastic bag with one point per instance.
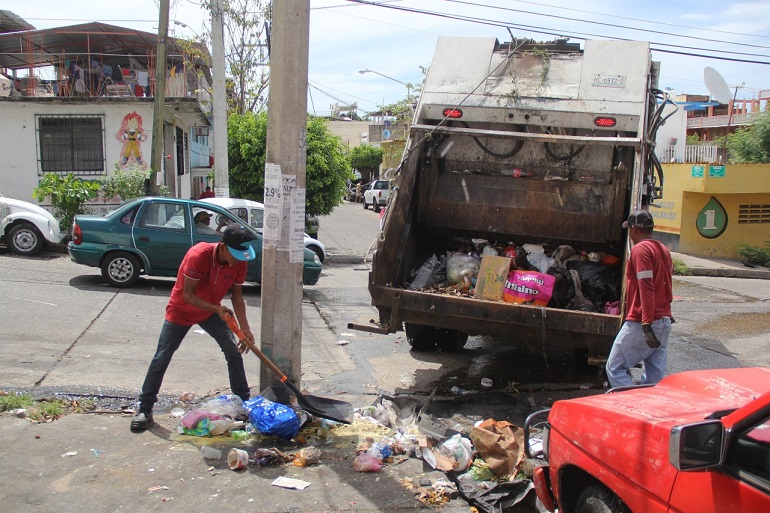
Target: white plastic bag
{"x": 460, "y": 266}
{"x": 460, "y": 449}
{"x": 226, "y": 405}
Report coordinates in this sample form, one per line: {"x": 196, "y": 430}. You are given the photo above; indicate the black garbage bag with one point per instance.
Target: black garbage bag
{"x": 600, "y": 283}
{"x": 431, "y": 272}
{"x": 499, "y": 497}
{"x": 563, "y": 288}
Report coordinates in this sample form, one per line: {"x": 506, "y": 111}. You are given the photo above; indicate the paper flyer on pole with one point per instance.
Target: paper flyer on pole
{"x": 271, "y": 231}
{"x": 297, "y": 242}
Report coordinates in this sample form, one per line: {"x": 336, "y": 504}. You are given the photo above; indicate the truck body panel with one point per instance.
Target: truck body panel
{"x": 524, "y": 160}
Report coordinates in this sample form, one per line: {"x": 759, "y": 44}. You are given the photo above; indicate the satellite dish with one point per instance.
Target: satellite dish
{"x": 716, "y": 85}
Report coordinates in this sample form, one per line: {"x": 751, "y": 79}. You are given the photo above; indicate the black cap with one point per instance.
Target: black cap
{"x": 237, "y": 237}
{"x": 640, "y": 219}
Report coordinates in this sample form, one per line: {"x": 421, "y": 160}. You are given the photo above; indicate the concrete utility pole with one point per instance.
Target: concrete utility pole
{"x": 221, "y": 167}
{"x": 285, "y": 190}
{"x": 159, "y": 99}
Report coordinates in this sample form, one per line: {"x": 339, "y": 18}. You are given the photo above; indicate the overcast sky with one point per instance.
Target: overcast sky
{"x": 346, "y": 37}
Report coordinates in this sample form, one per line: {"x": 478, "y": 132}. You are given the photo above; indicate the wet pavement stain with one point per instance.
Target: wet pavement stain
{"x": 737, "y": 325}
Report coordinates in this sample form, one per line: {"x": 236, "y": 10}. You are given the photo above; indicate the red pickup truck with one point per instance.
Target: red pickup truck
{"x": 696, "y": 442}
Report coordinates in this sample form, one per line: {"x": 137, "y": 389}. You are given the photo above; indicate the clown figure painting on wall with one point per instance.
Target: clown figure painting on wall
{"x": 131, "y": 134}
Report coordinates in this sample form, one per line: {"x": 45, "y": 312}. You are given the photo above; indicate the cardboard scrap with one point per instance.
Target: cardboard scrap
{"x": 500, "y": 443}
{"x": 288, "y": 482}
{"x": 493, "y": 273}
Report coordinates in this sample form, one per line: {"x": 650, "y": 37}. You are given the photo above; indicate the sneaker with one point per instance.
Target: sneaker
{"x": 141, "y": 421}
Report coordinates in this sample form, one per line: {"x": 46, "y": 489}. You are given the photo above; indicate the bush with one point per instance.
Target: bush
{"x": 68, "y": 194}
{"x": 680, "y": 268}
{"x": 128, "y": 183}
{"x": 751, "y": 255}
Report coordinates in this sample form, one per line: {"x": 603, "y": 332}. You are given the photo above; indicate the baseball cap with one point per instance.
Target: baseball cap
{"x": 640, "y": 219}
{"x": 236, "y": 237}
{"x": 202, "y": 216}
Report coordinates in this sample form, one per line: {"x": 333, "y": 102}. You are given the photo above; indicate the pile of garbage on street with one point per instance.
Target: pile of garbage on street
{"x": 482, "y": 458}
{"x": 530, "y": 274}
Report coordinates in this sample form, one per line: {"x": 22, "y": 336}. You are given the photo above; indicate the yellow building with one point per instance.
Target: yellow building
{"x": 709, "y": 210}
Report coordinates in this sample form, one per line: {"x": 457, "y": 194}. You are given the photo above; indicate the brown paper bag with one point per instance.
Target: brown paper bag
{"x": 493, "y": 272}
{"x": 500, "y": 443}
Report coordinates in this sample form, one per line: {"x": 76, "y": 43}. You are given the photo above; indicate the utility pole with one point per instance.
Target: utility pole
{"x": 221, "y": 166}
{"x": 159, "y": 98}
{"x": 285, "y": 161}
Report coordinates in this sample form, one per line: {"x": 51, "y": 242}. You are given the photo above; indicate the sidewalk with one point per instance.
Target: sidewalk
{"x": 720, "y": 267}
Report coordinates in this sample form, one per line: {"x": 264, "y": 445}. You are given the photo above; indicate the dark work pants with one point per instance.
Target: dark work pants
{"x": 171, "y": 336}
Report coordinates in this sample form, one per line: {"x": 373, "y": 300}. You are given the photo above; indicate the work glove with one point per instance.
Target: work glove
{"x": 649, "y": 336}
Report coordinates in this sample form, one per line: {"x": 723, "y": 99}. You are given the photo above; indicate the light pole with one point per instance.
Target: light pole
{"x": 408, "y": 86}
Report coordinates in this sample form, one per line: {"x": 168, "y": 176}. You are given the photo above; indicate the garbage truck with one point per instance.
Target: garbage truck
{"x": 518, "y": 145}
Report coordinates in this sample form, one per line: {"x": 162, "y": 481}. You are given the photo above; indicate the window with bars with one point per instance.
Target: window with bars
{"x": 71, "y": 144}
{"x": 753, "y": 214}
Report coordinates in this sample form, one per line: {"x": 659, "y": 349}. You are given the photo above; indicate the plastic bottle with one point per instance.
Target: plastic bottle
{"x": 518, "y": 173}
{"x": 457, "y": 390}
{"x": 220, "y": 426}
{"x": 210, "y": 453}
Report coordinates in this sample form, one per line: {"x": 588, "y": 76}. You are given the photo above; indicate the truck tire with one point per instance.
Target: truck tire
{"x": 421, "y": 338}
{"x": 364, "y": 202}
{"x": 451, "y": 341}
{"x": 121, "y": 269}
{"x": 25, "y": 239}
{"x": 376, "y": 205}
{"x": 599, "y": 499}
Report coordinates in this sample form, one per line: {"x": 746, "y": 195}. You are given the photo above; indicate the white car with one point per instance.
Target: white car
{"x": 26, "y": 227}
{"x": 253, "y": 212}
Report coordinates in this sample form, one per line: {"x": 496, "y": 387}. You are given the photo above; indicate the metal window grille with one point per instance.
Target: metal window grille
{"x": 753, "y": 214}
{"x": 71, "y": 144}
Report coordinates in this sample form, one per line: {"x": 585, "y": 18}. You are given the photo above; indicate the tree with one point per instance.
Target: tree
{"x": 366, "y": 159}
{"x": 246, "y": 34}
{"x": 327, "y": 168}
{"x": 751, "y": 145}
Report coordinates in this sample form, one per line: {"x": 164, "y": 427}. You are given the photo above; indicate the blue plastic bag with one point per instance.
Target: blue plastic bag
{"x": 272, "y": 418}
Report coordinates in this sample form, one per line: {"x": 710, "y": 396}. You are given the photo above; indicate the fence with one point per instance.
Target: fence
{"x": 699, "y": 153}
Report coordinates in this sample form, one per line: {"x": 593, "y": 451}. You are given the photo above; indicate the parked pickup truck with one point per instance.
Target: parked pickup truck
{"x": 696, "y": 442}
{"x": 376, "y": 194}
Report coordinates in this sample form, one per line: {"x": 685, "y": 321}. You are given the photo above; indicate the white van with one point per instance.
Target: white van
{"x": 253, "y": 213}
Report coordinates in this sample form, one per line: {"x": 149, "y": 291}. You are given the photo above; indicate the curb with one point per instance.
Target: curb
{"x": 757, "y": 274}
{"x": 347, "y": 259}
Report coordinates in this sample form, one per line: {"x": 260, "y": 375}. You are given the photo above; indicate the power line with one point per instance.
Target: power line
{"x": 555, "y": 33}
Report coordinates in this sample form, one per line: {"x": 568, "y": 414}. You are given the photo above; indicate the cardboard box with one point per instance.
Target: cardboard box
{"x": 493, "y": 272}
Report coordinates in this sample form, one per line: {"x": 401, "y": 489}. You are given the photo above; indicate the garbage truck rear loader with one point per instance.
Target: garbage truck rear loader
{"x": 517, "y": 143}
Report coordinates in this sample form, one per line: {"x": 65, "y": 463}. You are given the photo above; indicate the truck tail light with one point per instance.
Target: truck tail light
{"x": 77, "y": 234}
{"x": 453, "y": 113}
{"x": 605, "y": 122}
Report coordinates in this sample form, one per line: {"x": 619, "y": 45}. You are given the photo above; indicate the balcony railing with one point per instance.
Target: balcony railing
{"x": 701, "y": 154}
{"x": 720, "y": 121}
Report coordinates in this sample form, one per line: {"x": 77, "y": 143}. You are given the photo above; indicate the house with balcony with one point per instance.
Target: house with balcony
{"x": 80, "y": 99}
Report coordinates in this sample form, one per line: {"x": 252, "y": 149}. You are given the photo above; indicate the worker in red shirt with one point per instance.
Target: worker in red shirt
{"x": 207, "y": 193}
{"x": 644, "y": 334}
{"x": 207, "y": 273}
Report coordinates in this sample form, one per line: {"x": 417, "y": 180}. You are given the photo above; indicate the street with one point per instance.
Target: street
{"x": 66, "y": 333}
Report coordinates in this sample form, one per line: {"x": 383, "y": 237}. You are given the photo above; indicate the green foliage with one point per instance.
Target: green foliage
{"x": 366, "y": 159}
{"x": 69, "y": 195}
{"x": 128, "y": 183}
{"x": 751, "y": 145}
{"x": 402, "y": 110}
{"x": 693, "y": 140}
{"x": 680, "y": 268}
{"x": 50, "y": 409}
{"x": 753, "y": 255}
{"x": 13, "y": 402}
{"x": 327, "y": 168}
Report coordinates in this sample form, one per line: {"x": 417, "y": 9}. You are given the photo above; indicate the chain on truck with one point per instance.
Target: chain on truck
{"x": 518, "y": 144}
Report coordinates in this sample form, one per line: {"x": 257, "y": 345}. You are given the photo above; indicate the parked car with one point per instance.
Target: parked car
{"x": 26, "y": 227}
{"x": 151, "y": 236}
{"x": 376, "y": 194}
{"x": 253, "y": 212}
{"x": 696, "y": 442}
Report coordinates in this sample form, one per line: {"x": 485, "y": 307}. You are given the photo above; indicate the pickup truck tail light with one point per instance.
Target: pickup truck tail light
{"x": 77, "y": 234}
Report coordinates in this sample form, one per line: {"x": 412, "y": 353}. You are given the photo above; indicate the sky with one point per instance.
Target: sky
{"x": 393, "y": 40}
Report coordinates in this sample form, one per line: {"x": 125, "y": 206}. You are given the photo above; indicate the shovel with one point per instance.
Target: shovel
{"x": 338, "y": 411}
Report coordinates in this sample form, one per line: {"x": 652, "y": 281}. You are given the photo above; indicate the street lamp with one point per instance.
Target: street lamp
{"x": 408, "y": 86}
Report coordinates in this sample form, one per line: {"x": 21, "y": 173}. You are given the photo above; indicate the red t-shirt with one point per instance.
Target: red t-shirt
{"x": 648, "y": 282}
{"x": 207, "y": 194}
{"x": 214, "y": 281}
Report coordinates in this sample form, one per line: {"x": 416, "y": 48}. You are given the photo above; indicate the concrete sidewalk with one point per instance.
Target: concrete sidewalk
{"x": 720, "y": 267}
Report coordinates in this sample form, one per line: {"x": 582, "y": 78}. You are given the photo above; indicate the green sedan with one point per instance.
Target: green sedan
{"x": 152, "y": 235}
